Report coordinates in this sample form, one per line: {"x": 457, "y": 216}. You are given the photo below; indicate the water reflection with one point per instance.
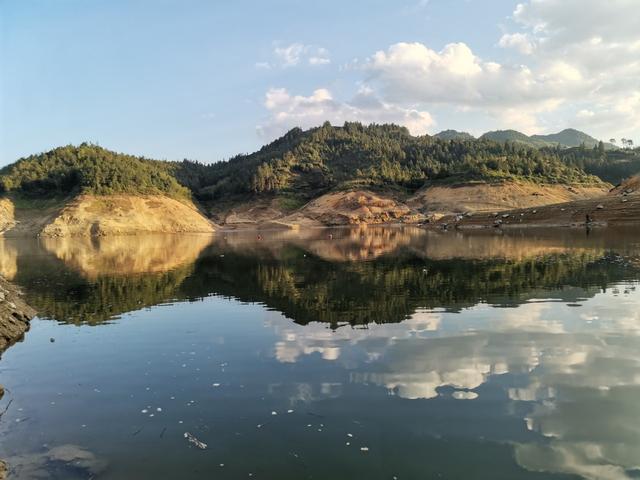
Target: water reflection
{"x": 121, "y": 255}
{"x": 318, "y": 276}
{"x": 522, "y": 347}
{"x": 8, "y": 260}
{"x": 574, "y": 374}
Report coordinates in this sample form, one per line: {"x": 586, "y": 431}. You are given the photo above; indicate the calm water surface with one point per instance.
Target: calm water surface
{"x": 374, "y": 353}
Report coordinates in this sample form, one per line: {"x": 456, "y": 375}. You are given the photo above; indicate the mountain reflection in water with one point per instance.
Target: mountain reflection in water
{"x": 519, "y": 351}
{"x": 341, "y": 276}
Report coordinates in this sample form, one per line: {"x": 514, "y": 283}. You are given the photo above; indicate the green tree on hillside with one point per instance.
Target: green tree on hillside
{"x": 89, "y": 168}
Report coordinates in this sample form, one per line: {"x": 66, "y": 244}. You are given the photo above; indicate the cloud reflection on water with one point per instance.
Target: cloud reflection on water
{"x": 581, "y": 365}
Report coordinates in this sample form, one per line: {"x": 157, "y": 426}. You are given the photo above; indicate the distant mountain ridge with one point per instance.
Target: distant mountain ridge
{"x": 567, "y": 138}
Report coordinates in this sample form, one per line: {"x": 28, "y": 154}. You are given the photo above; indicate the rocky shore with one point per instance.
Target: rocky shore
{"x": 15, "y": 314}
{"x": 620, "y": 207}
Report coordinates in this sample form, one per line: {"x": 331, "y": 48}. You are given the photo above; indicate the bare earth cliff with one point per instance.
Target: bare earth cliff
{"x": 483, "y": 197}
{"x": 620, "y": 206}
{"x": 366, "y": 207}
{"x": 109, "y": 215}
{"x": 100, "y": 215}
{"x": 350, "y": 208}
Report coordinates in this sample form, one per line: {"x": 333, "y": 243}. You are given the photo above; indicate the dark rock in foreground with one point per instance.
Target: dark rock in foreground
{"x": 15, "y": 314}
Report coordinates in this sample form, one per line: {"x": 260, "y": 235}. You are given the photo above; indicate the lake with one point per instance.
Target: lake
{"x": 377, "y": 353}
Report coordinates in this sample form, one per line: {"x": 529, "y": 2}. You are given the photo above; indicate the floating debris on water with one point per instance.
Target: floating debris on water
{"x": 192, "y": 439}
{"x": 364, "y": 449}
{"x": 464, "y": 395}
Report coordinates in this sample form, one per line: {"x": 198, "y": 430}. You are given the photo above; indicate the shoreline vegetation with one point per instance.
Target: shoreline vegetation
{"x": 326, "y": 176}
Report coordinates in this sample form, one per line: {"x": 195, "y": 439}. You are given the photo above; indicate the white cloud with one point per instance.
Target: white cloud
{"x": 412, "y": 72}
{"x": 518, "y": 41}
{"x": 620, "y": 116}
{"x": 518, "y": 119}
{"x": 598, "y": 41}
{"x": 515, "y": 95}
{"x": 320, "y": 57}
{"x": 585, "y": 114}
{"x": 298, "y": 54}
{"x": 287, "y": 111}
{"x": 581, "y": 68}
{"x": 290, "y": 55}
{"x": 581, "y": 55}
{"x": 566, "y": 22}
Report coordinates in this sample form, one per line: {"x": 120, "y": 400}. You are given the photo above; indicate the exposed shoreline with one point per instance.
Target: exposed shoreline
{"x": 609, "y": 211}
{"x": 452, "y": 207}
{"x": 15, "y": 315}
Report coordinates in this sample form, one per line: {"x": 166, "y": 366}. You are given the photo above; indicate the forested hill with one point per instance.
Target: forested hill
{"x": 612, "y": 166}
{"x": 307, "y": 163}
{"x": 89, "y": 168}
{"x": 372, "y": 156}
{"x": 515, "y": 137}
{"x": 454, "y": 135}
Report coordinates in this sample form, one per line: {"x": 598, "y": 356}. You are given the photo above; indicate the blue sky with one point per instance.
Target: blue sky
{"x": 206, "y": 80}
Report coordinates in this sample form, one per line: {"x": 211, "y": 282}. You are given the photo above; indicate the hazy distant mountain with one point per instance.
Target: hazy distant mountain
{"x": 567, "y": 138}
{"x": 454, "y": 135}
{"x": 513, "y": 136}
